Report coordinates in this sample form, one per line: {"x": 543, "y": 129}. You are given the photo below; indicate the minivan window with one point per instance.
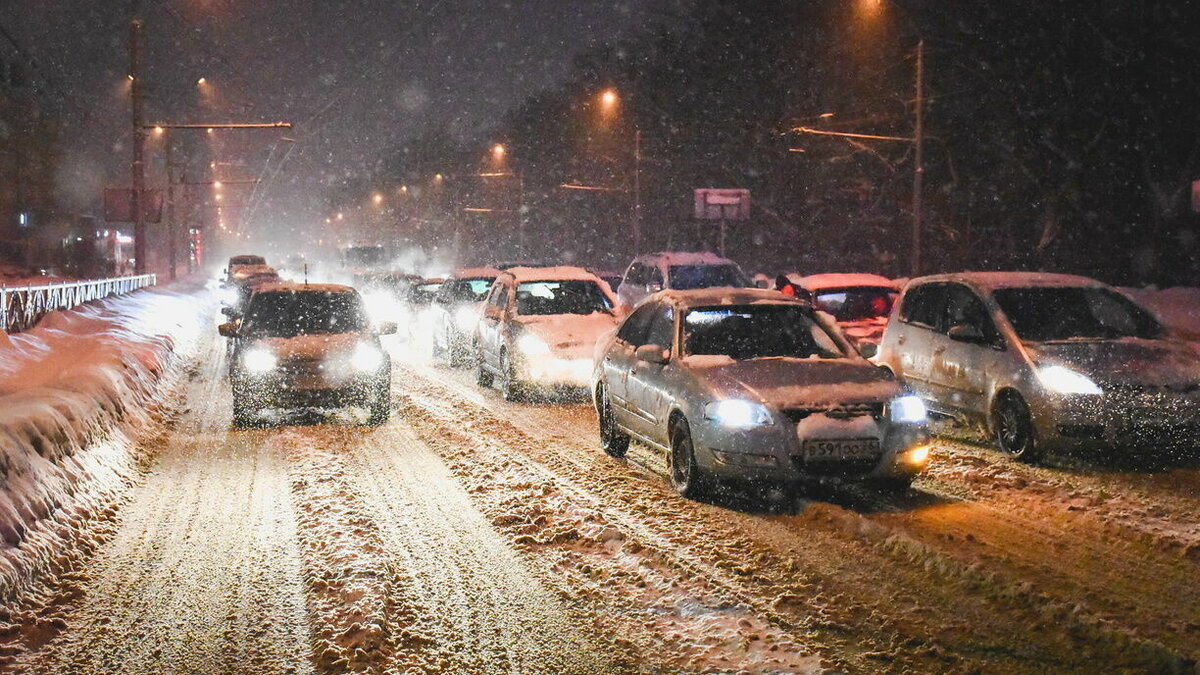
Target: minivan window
{"x": 923, "y": 305}
{"x": 687, "y": 277}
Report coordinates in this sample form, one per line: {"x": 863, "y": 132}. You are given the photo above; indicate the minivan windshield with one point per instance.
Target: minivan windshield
{"x": 687, "y": 277}
{"x": 1052, "y": 313}
{"x": 757, "y": 331}
{"x": 561, "y": 297}
{"x": 292, "y": 313}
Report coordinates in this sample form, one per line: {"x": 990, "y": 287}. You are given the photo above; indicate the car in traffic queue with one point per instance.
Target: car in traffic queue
{"x": 455, "y": 313}
{"x": 236, "y": 294}
{"x": 1043, "y": 362}
{"x": 539, "y": 328}
{"x": 307, "y": 345}
{"x": 384, "y": 294}
{"x": 238, "y": 263}
{"x": 753, "y": 385}
{"x": 679, "y": 270}
{"x": 861, "y": 303}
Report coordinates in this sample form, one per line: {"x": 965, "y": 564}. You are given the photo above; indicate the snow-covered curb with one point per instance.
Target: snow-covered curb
{"x": 76, "y": 392}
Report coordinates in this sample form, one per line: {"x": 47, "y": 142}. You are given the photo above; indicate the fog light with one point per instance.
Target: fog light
{"x": 918, "y": 455}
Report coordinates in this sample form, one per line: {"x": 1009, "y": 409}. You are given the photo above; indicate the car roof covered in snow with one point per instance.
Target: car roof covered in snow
{"x": 670, "y": 258}
{"x": 299, "y": 287}
{"x": 990, "y": 281}
{"x": 557, "y": 273}
{"x": 475, "y": 273}
{"x": 704, "y": 297}
{"x": 820, "y": 282}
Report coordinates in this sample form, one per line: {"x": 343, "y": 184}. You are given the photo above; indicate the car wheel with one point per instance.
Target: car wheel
{"x": 510, "y": 386}
{"x": 615, "y": 443}
{"x": 483, "y": 377}
{"x": 686, "y": 476}
{"x": 381, "y": 404}
{"x": 1014, "y": 427}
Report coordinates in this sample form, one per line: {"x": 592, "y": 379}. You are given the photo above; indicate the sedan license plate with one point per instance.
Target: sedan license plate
{"x": 841, "y": 449}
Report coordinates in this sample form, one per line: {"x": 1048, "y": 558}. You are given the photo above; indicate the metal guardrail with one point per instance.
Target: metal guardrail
{"x": 23, "y": 306}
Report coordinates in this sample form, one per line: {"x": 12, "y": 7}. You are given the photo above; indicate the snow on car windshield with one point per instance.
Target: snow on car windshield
{"x": 1047, "y": 314}
{"x": 561, "y": 297}
{"x": 856, "y": 304}
{"x": 290, "y": 313}
{"x": 756, "y": 331}
{"x": 687, "y": 277}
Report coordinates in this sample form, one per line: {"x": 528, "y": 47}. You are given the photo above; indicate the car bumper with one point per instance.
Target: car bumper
{"x": 776, "y": 453}
{"x": 553, "y": 371}
{"x": 286, "y": 392}
{"x": 1117, "y": 421}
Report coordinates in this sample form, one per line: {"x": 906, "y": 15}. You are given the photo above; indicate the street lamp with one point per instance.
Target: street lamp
{"x": 377, "y": 199}
{"x": 498, "y": 152}
{"x": 608, "y": 106}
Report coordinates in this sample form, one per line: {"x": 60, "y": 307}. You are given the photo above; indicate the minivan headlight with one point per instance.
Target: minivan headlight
{"x": 259, "y": 360}
{"x": 1062, "y": 380}
{"x": 909, "y": 409}
{"x": 738, "y": 414}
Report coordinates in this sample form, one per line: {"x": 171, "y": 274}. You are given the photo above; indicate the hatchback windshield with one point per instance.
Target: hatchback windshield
{"x": 687, "y": 277}
{"x": 247, "y": 260}
{"x": 1047, "y": 314}
{"x": 561, "y": 297}
{"x": 466, "y": 290}
{"x": 856, "y": 304}
{"x": 757, "y": 331}
{"x": 291, "y": 313}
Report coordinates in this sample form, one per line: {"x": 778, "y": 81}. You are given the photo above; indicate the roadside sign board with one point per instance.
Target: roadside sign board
{"x": 722, "y": 204}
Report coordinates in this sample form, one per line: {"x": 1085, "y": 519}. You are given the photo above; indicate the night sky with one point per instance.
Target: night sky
{"x": 357, "y": 77}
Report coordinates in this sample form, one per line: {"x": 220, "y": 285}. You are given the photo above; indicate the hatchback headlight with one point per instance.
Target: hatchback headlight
{"x": 738, "y": 414}
{"x": 908, "y": 409}
{"x": 259, "y": 360}
{"x": 532, "y": 345}
{"x": 366, "y": 358}
{"x": 1062, "y": 380}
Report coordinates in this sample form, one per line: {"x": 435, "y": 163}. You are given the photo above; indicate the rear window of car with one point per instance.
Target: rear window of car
{"x": 687, "y": 277}
{"x": 561, "y": 297}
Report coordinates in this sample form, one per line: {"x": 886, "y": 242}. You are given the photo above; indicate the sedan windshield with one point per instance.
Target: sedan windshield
{"x": 466, "y": 290}
{"x": 561, "y": 297}
{"x": 1049, "y": 314}
{"x": 291, "y": 313}
{"x": 856, "y": 304}
{"x": 757, "y": 331}
{"x": 687, "y": 277}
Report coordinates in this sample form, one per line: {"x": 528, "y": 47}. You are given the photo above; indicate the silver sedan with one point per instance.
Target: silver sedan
{"x": 749, "y": 384}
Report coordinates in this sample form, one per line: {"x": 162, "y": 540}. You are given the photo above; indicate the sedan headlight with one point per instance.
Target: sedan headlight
{"x": 259, "y": 360}
{"x": 532, "y": 345}
{"x": 465, "y": 319}
{"x": 738, "y": 414}
{"x": 366, "y": 358}
{"x": 1062, "y": 380}
{"x": 908, "y": 409}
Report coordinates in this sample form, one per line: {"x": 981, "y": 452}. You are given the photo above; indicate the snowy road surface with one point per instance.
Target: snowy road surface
{"x": 471, "y": 535}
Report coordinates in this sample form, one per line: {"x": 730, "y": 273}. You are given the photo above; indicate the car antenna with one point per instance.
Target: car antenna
{"x": 305, "y": 274}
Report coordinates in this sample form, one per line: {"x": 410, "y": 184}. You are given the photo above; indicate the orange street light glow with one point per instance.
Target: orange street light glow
{"x": 377, "y": 198}
{"x": 608, "y": 97}
{"x": 202, "y": 81}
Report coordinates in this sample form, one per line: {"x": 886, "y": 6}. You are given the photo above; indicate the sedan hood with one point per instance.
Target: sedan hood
{"x": 570, "y": 335}
{"x": 795, "y": 383}
{"x": 1128, "y": 361}
{"x": 311, "y": 347}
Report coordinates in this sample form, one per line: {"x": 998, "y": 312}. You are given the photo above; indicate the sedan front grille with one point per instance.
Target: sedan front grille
{"x": 839, "y": 412}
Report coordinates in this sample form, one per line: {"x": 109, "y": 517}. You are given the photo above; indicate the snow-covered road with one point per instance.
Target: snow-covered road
{"x": 472, "y": 535}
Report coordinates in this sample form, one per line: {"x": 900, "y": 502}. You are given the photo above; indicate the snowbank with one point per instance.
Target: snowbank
{"x": 74, "y": 393}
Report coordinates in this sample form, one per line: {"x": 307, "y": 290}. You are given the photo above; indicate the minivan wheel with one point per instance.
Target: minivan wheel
{"x": 615, "y": 443}
{"x": 686, "y": 476}
{"x": 1014, "y": 427}
{"x": 381, "y": 404}
{"x": 483, "y": 377}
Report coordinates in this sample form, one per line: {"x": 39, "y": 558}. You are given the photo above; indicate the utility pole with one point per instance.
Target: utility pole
{"x": 918, "y": 159}
{"x": 637, "y": 192}
{"x": 138, "y": 167}
{"x": 172, "y": 226}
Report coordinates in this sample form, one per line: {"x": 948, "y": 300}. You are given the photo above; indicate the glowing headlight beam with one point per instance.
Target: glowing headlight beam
{"x": 259, "y": 361}
{"x": 738, "y": 414}
{"x": 909, "y": 409}
{"x": 1062, "y": 380}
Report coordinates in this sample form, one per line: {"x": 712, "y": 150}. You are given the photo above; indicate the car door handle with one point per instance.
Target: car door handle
{"x": 900, "y": 340}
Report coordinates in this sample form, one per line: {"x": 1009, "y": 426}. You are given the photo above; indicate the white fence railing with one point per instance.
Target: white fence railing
{"x": 22, "y": 306}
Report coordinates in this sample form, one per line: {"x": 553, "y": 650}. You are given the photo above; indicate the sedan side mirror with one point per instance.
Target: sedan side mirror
{"x": 228, "y": 329}
{"x": 652, "y": 354}
{"x": 966, "y": 333}
{"x": 386, "y": 328}
{"x": 869, "y": 350}
{"x": 653, "y": 287}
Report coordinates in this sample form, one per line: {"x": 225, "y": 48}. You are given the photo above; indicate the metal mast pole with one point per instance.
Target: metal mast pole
{"x": 138, "y": 168}
{"x": 637, "y": 191}
{"x": 918, "y": 160}
{"x": 172, "y": 226}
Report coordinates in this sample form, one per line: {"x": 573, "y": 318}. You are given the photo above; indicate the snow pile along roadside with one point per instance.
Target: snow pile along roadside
{"x": 74, "y": 391}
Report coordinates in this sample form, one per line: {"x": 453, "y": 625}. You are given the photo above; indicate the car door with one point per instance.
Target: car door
{"x": 645, "y": 387}
{"x": 619, "y": 358}
{"x": 960, "y": 368}
{"x": 920, "y": 315}
{"x": 490, "y": 325}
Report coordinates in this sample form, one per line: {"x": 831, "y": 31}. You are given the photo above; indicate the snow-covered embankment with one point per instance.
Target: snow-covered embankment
{"x": 76, "y": 394}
